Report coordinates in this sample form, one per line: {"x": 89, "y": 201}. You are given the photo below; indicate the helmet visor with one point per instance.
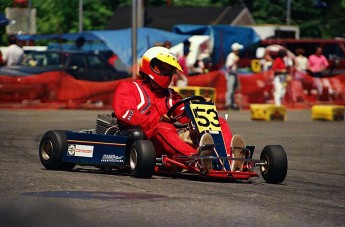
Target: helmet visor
{"x": 162, "y": 68}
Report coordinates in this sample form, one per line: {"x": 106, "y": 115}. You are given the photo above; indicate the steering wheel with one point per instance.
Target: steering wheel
{"x": 174, "y": 119}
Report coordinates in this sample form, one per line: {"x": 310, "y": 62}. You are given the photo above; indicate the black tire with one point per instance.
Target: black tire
{"x": 142, "y": 159}
{"x": 275, "y": 169}
{"x": 52, "y": 146}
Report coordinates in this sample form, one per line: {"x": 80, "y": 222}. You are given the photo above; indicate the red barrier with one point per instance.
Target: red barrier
{"x": 59, "y": 87}
{"x": 55, "y": 87}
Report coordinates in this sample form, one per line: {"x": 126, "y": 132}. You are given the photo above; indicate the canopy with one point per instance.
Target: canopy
{"x": 222, "y": 37}
{"x": 119, "y": 41}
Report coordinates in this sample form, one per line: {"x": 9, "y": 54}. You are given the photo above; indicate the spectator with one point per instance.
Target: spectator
{"x": 280, "y": 76}
{"x": 79, "y": 43}
{"x": 203, "y": 63}
{"x": 167, "y": 44}
{"x": 186, "y": 46}
{"x": 266, "y": 61}
{"x": 301, "y": 64}
{"x": 2, "y": 62}
{"x": 318, "y": 63}
{"x": 13, "y": 52}
{"x": 289, "y": 62}
{"x": 180, "y": 77}
{"x": 231, "y": 65}
{"x": 183, "y": 61}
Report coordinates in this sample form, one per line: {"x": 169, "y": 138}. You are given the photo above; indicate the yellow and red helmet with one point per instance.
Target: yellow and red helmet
{"x": 159, "y": 64}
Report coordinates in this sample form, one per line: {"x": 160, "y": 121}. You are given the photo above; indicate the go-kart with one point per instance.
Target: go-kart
{"x": 110, "y": 146}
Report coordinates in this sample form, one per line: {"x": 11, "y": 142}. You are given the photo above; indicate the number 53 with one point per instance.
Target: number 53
{"x": 206, "y": 117}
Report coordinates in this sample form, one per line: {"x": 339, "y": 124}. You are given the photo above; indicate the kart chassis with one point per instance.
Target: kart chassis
{"x": 128, "y": 149}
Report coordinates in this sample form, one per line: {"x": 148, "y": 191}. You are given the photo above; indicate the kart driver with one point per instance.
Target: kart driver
{"x": 146, "y": 101}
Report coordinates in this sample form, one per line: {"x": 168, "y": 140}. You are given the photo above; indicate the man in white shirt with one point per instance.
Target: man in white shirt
{"x": 231, "y": 65}
{"x": 13, "y": 52}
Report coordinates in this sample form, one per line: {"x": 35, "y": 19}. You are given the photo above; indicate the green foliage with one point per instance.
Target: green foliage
{"x": 63, "y": 16}
{"x": 314, "y": 21}
{"x": 66, "y": 15}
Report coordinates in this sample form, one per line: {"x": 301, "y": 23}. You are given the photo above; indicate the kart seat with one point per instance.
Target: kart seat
{"x": 133, "y": 133}
{"x": 108, "y": 124}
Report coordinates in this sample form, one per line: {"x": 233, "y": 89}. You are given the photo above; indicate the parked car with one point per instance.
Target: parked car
{"x": 59, "y": 76}
{"x": 81, "y": 65}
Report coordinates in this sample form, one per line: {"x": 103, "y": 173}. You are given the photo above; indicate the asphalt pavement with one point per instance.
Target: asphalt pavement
{"x": 313, "y": 193}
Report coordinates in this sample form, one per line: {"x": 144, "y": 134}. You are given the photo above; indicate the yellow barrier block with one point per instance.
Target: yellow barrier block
{"x": 267, "y": 112}
{"x": 328, "y": 112}
{"x": 255, "y": 65}
{"x": 207, "y": 92}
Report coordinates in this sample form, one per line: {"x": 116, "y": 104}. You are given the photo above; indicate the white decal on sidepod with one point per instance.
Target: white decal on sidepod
{"x": 112, "y": 158}
{"x": 80, "y": 150}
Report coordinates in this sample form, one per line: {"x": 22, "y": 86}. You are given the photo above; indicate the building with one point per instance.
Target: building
{"x": 165, "y": 17}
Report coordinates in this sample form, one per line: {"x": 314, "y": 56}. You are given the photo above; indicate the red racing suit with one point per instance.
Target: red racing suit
{"x": 135, "y": 104}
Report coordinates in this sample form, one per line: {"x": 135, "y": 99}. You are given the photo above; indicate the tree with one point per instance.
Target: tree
{"x": 316, "y": 18}
{"x": 66, "y": 15}
{"x": 335, "y": 20}
{"x": 63, "y": 16}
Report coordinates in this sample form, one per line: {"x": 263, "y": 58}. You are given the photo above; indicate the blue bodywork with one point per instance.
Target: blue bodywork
{"x": 95, "y": 149}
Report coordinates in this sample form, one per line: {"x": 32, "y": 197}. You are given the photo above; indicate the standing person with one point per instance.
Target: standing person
{"x": 280, "y": 77}
{"x": 266, "y": 61}
{"x": 231, "y": 65}
{"x": 203, "y": 62}
{"x": 13, "y": 52}
{"x": 167, "y": 44}
{"x": 301, "y": 64}
{"x": 183, "y": 61}
{"x": 79, "y": 43}
{"x": 2, "y": 62}
{"x": 180, "y": 77}
{"x": 145, "y": 102}
{"x": 289, "y": 61}
{"x": 318, "y": 63}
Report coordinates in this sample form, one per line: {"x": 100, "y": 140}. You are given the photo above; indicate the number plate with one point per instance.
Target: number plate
{"x": 205, "y": 116}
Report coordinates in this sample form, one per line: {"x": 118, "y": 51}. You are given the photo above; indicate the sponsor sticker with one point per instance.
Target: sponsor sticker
{"x": 71, "y": 149}
{"x": 80, "y": 150}
{"x": 112, "y": 158}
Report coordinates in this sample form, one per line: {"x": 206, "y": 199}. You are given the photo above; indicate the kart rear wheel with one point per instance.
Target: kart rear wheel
{"x": 275, "y": 169}
{"x": 142, "y": 159}
{"x": 52, "y": 146}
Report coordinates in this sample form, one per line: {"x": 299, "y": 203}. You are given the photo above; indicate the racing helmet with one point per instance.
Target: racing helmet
{"x": 159, "y": 65}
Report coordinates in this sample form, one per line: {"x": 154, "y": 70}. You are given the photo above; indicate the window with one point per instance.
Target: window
{"x": 77, "y": 63}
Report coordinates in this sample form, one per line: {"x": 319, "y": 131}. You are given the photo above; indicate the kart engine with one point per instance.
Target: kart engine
{"x": 106, "y": 124}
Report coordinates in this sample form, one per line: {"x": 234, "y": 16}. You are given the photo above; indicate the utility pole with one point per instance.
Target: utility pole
{"x": 134, "y": 37}
{"x": 29, "y": 17}
{"x": 288, "y": 11}
{"x": 80, "y": 16}
{"x": 29, "y": 21}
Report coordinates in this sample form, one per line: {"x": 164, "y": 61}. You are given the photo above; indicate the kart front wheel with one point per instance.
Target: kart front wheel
{"x": 275, "y": 168}
{"x": 52, "y": 146}
{"x": 142, "y": 159}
